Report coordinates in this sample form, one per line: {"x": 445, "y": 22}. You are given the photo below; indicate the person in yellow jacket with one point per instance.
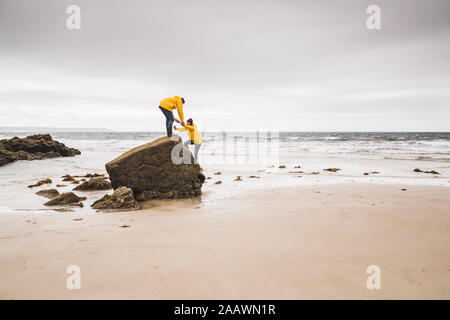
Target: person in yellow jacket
{"x": 194, "y": 136}
{"x": 167, "y": 105}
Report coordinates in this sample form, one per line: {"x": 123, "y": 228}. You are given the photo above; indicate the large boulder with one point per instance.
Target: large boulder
{"x": 34, "y": 147}
{"x": 122, "y": 198}
{"x": 161, "y": 169}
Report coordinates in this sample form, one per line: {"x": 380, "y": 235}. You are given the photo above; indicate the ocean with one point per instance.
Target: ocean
{"x": 394, "y": 155}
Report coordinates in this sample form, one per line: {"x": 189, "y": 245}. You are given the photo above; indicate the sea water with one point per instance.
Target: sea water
{"x": 394, "y": 155}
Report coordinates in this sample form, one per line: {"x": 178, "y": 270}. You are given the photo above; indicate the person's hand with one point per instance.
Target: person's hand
{"x": 174, "y": 127}
{"x": 177, "y": 121}
{"x": 182, "y": 124}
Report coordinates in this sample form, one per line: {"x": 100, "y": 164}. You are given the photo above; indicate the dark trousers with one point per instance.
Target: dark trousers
{"x": 169, "y": 120}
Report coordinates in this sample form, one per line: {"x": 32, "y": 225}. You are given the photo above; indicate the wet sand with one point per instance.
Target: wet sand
{"x": 305, "y": 242}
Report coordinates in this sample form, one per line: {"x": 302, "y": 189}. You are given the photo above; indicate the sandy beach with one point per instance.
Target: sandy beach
{"x": 232, "y": 150}
{"x": 303, "y": 242}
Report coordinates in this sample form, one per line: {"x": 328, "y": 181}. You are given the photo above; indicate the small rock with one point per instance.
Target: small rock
{"x": 68, "y": 177}
{"x": 218, "y": 182}
{"x": 297, "y": 167}
{"x": 430, "y": 171}
{"x": 94, "y": 184}
{"x": 209, "y": 178}
{"x": 282, "y": 166}
{"x": 254, "y": 177}
{"x": 403, "y": 189}
{"x": 40, "y": 183}
{"x": 238, "y": 178}
{"x": 48, "y": 193}
{"x": 366, "y": 173}
{"x": 93, "y": 175}
{"x": 332, "y": 169}
{"x": 295, "y": 172}
{"x": 60, "y": 185}
{"x": 122, "y": 198}
{"x": 65, "y": 198}
{"x": 124, "y": 226}
{"x": 75, "y": 182}
{"x": 218, "y": 173}
{"x": 374, "y": 172}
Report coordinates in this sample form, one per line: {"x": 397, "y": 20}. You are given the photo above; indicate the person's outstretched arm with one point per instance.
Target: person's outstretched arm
{"x": 180, "y": 109}
{"x": 179, "y": 129}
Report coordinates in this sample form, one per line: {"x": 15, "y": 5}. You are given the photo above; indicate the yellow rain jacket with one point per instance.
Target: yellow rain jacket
{"x": 192, "y": 132}
{"x": 173, "y": 103}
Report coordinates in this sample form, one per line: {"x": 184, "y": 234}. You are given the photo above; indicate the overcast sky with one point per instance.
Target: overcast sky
{"x": 282, "y": 65}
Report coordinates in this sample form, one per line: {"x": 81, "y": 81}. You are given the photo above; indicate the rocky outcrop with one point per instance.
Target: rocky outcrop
{"x": 65, "y": 199}
{"x": 48, "y": 193}
{"x": 122, "y": 198}
{"x": 162, "y": 169}
{"x": 94, "y": 184}
{"x": 34, "y": 147}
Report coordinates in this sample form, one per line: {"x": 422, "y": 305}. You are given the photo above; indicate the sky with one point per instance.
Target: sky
{"x": 288, "y": 65}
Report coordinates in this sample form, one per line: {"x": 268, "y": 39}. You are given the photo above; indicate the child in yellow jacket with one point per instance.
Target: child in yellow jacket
{"x": 194, "y": 136}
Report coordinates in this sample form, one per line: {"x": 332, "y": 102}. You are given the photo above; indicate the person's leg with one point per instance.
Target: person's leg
{"x": 197, "y": 148}
{"x": 169, "y": 120}
{"x": 169, "y": 124}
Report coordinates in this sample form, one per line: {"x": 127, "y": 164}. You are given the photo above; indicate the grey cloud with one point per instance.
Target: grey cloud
{"x": 232, "y": 60}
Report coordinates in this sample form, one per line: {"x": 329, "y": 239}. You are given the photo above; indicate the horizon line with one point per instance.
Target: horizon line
{"x": 106, "y": 130}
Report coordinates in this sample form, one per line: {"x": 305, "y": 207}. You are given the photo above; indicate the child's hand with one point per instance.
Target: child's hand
{"x": 174, "y": 127}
